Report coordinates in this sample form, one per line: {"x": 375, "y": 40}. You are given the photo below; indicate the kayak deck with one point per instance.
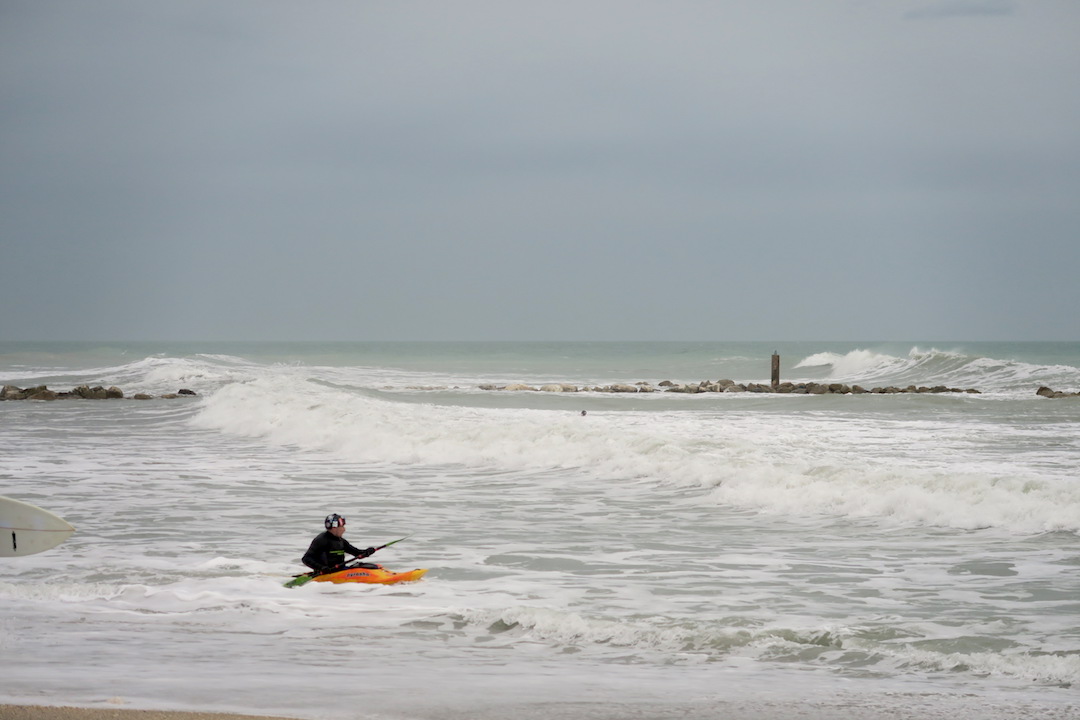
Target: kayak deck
{"x": 370, "y": 573}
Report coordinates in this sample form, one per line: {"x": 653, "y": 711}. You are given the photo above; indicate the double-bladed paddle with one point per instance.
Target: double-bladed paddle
{"x": 305, "y": 578}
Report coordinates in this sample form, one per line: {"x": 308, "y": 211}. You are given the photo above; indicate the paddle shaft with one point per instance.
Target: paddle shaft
{"x": 313, "y": 573}
{"x": 374, "y": 550}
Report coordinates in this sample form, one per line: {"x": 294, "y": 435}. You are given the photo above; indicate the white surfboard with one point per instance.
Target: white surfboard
{"x": 26, "y": 529}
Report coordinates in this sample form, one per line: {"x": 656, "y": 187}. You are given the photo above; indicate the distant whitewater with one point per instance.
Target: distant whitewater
{"x": 933, "y": 366}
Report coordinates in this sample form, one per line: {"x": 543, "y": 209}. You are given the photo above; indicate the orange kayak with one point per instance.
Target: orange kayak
{"x": 370, "y": 573}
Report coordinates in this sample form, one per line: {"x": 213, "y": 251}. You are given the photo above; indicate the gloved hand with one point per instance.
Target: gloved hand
{"x": 368, "y": 551}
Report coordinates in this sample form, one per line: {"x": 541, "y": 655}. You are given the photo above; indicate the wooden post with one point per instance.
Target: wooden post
{"x": 775, "y": 369}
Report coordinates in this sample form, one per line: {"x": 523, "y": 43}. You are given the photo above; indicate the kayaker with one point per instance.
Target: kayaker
{"x": 327, "y": 550}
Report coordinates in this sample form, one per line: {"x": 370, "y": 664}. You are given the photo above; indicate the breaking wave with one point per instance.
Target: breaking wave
{"x": 790, "y": 465}
{"x": 940, "y": 367}
{"x": 859, "y": 649}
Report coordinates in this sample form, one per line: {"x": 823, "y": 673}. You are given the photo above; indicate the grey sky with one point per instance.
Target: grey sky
{"x": 774, "y": 169}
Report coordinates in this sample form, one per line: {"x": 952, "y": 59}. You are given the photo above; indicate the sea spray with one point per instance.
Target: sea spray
{"x": 932, "y": 366}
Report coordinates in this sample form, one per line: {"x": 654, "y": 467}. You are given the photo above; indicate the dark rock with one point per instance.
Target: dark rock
{"x": 10, "y": 392}
{"x": 708, "y": 386}
{"x": 622, "y": 388}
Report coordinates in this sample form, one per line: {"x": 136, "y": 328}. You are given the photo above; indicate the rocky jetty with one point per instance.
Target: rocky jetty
{"x": 730, "y": 386}
{"x": 83, "y": 392}
{"x": 1048, "y": 393}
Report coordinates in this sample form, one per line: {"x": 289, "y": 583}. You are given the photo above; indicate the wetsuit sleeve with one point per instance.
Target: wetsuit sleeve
{"x": 353, "y": 550}
{"x": 316, "y": 556}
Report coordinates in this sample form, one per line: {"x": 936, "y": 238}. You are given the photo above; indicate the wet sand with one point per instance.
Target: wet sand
{"x": 42, "y": 712}
{"x": 906, "y": 707}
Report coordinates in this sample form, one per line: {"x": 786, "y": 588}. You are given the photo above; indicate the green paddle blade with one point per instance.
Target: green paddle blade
{"x": 299, "y": 580}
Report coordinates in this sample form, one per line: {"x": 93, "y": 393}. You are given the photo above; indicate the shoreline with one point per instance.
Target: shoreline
{"x": 879, "y": 707}
{"x": 68, "y": 712}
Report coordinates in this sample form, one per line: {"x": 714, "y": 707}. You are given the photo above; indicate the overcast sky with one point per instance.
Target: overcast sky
{"x": 545, "y": 170}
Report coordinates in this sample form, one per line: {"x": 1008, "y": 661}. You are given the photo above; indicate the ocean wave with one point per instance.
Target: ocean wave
{"x": 153, "y": 374}
{"x": 792, "y": 465}
{"x": 857, "y": 363}
{"x": 207, "y": 373}
{"x": 60, "y": 591}
{"x": 1062, "y": 669}
{"x": 944, "y": 473}
{"x": 856, "y": 648}
{"x": 965, "y": 501}
{"x": 940, "y": 367}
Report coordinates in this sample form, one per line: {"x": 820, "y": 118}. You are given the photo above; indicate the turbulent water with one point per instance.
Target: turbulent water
{"x": 880, "y": 553}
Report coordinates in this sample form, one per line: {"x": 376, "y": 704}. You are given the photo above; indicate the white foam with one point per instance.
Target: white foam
{"x": 855, "y": 364}
{"x": 793, "y": 466}
{"x": 700, "y": 640}
{"x": 912, "y": 497}
{"x": 934, "y": 366}
{"x": 1045, "y": 669}
{"x": 717, "y": 538}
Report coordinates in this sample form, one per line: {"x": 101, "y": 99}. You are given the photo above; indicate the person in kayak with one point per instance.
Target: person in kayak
{"x": 327, "y": 550}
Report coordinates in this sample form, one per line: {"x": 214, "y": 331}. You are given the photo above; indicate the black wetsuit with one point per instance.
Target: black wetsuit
{"x": 326, "y": 551}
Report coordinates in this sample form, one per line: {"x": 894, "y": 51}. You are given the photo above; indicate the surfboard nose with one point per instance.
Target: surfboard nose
{"x": 26, "y": 529}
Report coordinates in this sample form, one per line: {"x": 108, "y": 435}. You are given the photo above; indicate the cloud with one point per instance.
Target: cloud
{"x": 486, "y": 169}
{"x": 962, "y": 8}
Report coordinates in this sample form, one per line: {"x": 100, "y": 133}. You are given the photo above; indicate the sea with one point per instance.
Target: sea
{"x": 591, "y": 554}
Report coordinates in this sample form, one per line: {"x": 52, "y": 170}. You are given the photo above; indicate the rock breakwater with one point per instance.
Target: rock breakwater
{"x": 82, "y": 392}
{"x": 730, "y": 386}
{"x": 1048, "y": 393}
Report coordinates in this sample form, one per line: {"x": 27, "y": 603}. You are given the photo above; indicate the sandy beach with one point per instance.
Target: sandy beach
{"x": 41, "y": 712}
{"x": 907, "y": 707}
